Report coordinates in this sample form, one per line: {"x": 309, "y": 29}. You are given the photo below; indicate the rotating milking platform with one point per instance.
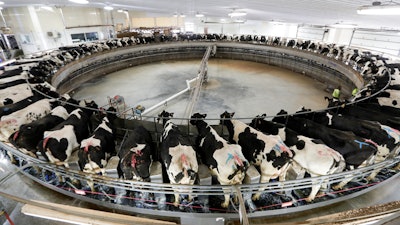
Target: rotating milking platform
{"x": 108, "y": 196}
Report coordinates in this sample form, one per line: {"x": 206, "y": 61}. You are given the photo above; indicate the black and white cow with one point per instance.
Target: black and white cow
{"x": 310, "y": 155}
{"x": 11, "y": 123}
{"x": 59, "y": 143}
{"x": 136, "y": 155}
{"x": 371, "y": 130}
{"x": 13, "y": 107}
{"x": 356, "y": 151}
{"x": 95, "y": 151}
{"x": 225, "y": 161}
{"x": 177, "y": 155}
{"x": 268, "y": 152}
{"x": 28, "y": 136}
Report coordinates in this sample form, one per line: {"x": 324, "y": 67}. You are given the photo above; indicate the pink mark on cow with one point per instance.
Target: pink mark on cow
{"x": 45, "y": 142}
{"x": 238, "y": 161}
{"x": 185, "y": 165}
{"x": 8, "y": 122}
{"x": 134, "y": 161}
{"x": 371, "y": 142}
{"x": 86, "y": 149}
{"x": 15, "y": 135}
{"x": 284, "y": 148}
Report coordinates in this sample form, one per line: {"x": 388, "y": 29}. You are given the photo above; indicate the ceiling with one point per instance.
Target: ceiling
{"x": 312, "y": 12}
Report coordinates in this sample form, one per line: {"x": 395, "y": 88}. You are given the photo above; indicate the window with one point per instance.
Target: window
{"x": 83, "y": 37}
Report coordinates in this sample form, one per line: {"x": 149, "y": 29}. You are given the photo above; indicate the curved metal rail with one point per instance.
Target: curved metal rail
{"x": 146, "y": 197}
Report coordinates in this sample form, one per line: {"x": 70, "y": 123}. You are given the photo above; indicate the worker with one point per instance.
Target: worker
{"x": 354, "y": 92}
{"x": 336, "y": 93}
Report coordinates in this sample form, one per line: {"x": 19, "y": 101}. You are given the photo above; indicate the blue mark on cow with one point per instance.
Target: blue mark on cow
{"x": 361, "y": 143}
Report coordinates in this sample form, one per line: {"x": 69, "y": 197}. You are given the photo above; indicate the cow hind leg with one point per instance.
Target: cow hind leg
{"x": 265, "y": 178}
{"x": 177, "y": 200}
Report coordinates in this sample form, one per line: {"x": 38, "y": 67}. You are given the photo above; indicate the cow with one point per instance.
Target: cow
{"x": 357, "y": 151}
{"x": 11, "y": 123}
{"x": 310, "y": 155}
{"x": 95, "y": 151}
{"x": 371, "y": 130}
{"x": 268, "y": 152}
{"x": 177, "y": 155}
{"x": 59, "y": 142}
{"x": 13, "y": 107}
{"x": 136, "y": 154}
{"x": 27, "y": 137}
{"x": 33, "y": 80}
{"x": 225, "y": 161}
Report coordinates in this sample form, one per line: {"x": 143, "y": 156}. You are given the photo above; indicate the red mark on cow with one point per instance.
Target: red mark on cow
{"x": 15, "y": 135}
{"x": 86, "y": 149}
{"x": 134, "y": 161}
{"x": 371, "y": 142}
{"x": 45, "y": 142}
{"x": 238, "y": 161}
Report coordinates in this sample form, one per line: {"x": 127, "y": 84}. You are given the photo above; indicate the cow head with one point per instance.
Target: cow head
{"x": 92, "y": 159}
{"x": 226, "y": 116}
{"x": 257, "y": 120}
{"x": 196, "y": 117}
{"x": 165, "y": 116}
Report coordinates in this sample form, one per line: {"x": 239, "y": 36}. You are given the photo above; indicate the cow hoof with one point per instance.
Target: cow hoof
{"x": 255, "y": 197}
{"x": 337, "y": 187}
{"x": 224, "y": 205}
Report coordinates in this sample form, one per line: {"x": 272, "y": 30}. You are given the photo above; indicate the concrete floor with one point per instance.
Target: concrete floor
{"x": 247, "y": 88}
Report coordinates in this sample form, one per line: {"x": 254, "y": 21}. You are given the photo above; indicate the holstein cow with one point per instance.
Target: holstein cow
{"x": 268, "y": 152}
{"x": 136, "y": 155}
{"x": 11, "y": 123}
{"x": 364, "y": 128}
{"x": 58, "y": 143}
{"x": 95, "y": 151}
{"x": 310, "y": 155}
{"x": 27, "y": 137}
{"x": 225, "y": 161}
{"x": 177, "y": 155}
{"x": 356, "y": 151}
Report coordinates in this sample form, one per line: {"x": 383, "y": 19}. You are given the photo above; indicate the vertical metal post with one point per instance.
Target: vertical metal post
{"x": 4, "y": 20}
{"x": 244, "y": 220}
{"x": 352, "y": 35}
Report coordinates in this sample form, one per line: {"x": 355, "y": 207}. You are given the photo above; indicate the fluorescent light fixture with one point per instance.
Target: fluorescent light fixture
{"x": 48, "y": 8}
{"x": 377, "y": 8}
{"x": 175, "y": 14}
{"x": 108, "y": 7}
{"x": 199, "y": 15}
{"x": 80, "y": 1}
{"x": 237, "y": 13}
{"x": 182, "y": 15}
{"x": 1, "y": 3}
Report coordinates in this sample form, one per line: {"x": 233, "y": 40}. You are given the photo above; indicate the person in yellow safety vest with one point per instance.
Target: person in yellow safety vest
{"x": 336, "y": 93}
{"x": 354, "y": 92}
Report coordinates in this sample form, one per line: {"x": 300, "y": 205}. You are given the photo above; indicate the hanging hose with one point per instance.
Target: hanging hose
{"x": 3, "y": 212}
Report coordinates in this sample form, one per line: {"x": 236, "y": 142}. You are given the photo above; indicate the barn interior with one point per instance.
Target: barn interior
{"x": 248, "y": 88}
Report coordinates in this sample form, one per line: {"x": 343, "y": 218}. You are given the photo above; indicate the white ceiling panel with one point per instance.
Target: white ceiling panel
{"x": 313, "y": 12}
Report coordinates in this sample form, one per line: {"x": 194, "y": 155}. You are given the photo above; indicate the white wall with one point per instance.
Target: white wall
{"x": 37, "y": 29}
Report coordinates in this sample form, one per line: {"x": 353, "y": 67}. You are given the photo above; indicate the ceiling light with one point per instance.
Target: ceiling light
{"x": 175, "y": 14}
{"x": 48, "y": 8}
{"x": 108, "y": 7}
{"x": 199, "y": 15}
{"x": 377, "y": 8}
{"x": 182, "y": 15}
{"x": 1, "y": 3}
{"x": 235, "y": 13}
{"x": 80, "y": 1}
